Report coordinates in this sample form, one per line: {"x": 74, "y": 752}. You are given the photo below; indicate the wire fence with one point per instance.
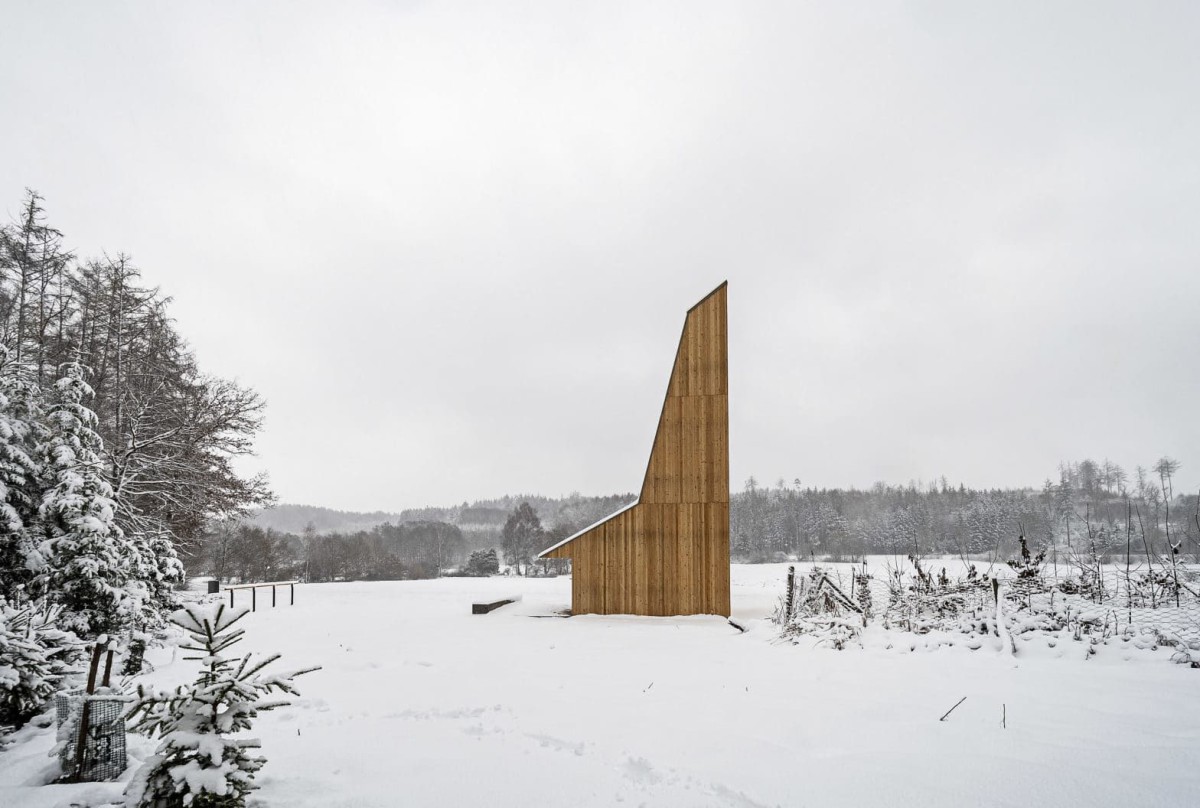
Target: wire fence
{"x": 1164, "y": 601}
{"x": 1106, "y": 599}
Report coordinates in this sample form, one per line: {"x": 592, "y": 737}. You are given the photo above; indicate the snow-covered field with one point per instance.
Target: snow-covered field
{"x": 422, "y": 703}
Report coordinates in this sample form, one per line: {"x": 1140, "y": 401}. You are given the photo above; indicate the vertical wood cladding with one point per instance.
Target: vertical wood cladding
{"x": 669, "y": 553}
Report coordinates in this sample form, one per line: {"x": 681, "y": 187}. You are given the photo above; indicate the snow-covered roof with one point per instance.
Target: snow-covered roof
{"x": 595, "y": 524}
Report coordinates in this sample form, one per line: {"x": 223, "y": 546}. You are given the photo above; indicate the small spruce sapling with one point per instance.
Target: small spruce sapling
{"x": 1028, "y": 566}
{"x": 35, "y": 658}
{"x": 863, "y": 593}
{"x": 199, "y": 763}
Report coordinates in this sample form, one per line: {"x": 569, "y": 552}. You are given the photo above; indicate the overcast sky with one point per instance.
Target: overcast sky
{"x": 452, "y": 244}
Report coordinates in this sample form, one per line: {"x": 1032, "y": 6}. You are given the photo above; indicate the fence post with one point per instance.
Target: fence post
{"x": 293, "y": 588}
{"x": 791, "y": 589}
{"x": 272, "y": 596}
{"x": 231, "y": 598}
{"x": 254, "y": 598}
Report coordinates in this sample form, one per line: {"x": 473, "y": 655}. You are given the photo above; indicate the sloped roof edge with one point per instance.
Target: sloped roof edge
{"x": 592, "y": 526}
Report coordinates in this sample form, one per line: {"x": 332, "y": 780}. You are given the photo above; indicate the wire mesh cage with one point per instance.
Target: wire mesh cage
{"x": 64, "y": 702}
{"x": 103, "y": 750}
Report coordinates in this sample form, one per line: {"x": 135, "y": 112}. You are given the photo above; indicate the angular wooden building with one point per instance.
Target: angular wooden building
{"x": 668, "y": 552}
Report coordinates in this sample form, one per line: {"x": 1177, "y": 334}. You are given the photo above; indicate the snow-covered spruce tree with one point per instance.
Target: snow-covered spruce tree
{"x": 34, "y": 659}
{"x": 198, "y": 763}
{"x": 862, "y": 593}
{"x": 89, "y": 559}
{"x": 20, "y": 429}
{"x": 154, "y": 571}
{"x": 1027, "y": 565}
{"x": 483, "y": 563}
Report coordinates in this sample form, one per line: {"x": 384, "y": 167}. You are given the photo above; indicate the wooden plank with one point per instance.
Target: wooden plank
{"x": 689, "y": 450}
{"x": 582, "y": 576}
{"x": 484, "y": 608}
{"x": 669, "y": 489}
{"x": 687, "y": 561}
{"x": 579, "y": 577}
{"x": 623, "y": 566}
{"x": 721, "y": 562}
{"x": 708, "y": 557}
{"x": 612, "y": 568}
{"x": 696, "y": 573}
{"x": 654, "y": 559}
{"x": 670, "y": 545}
{"x": 599, "y": 570}
{"x": 722, "y": 346}
{"x": 704, "y": 448}
{"x": 719, "y": 491}
{"x": 640, "y": 561}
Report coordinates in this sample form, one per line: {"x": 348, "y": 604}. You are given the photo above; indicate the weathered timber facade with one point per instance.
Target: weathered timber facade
{"x": 668, "y": 553}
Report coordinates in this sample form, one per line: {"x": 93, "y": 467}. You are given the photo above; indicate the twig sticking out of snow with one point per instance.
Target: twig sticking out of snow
{"x": 952, "y": 709}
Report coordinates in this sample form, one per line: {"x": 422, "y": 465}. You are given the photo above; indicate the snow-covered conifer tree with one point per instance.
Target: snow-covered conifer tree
{"x": 34, "y": 659}
{"x": 19, "y": 429}
{"x": 89, "y": 559}
{"x": 154, "y": 571}
{"x": 199, "y": 763}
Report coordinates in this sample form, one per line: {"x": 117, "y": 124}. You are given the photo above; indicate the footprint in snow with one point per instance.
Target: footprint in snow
{"x": 640, "y": 771}
{"x": 550, "y": 742}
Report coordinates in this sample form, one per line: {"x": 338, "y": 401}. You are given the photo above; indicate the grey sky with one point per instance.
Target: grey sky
{"x": 452, "y": 245}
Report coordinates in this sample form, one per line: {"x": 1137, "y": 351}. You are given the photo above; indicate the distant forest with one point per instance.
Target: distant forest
{"x": 1095, "y": 509}
{"x": 321, "y": 544}
{"x": 1092, "y": 508}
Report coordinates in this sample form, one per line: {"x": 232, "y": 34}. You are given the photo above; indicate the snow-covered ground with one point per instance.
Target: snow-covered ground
{"x": 422, "y": 703}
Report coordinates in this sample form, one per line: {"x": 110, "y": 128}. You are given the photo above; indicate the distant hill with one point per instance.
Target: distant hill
{"x": 481, "y": 522}
{"x": 291, "y": 518}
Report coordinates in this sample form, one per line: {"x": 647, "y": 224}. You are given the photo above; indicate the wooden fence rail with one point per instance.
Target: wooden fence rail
{"x": 291, "y": 585}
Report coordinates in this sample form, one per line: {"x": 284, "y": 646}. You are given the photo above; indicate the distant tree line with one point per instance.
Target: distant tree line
{"x": 1092, "y": 507}
{"x": 481, "y": 522}
{"x": 240, "y": 551}
{"x": 1095, "y": 509}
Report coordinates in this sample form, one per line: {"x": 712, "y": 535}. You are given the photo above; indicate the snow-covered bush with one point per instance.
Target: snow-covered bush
{"x": 822, "y": 611}
{"x": 200, "y": 761}
{"x": 35, "y": 657}
{"x": 1151, "y": 588}
{"x": 929, "y": 605}
{"x": 482, "y": 563}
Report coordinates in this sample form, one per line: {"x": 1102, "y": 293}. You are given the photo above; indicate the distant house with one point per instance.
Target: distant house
{"x": 668, "y": 552}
